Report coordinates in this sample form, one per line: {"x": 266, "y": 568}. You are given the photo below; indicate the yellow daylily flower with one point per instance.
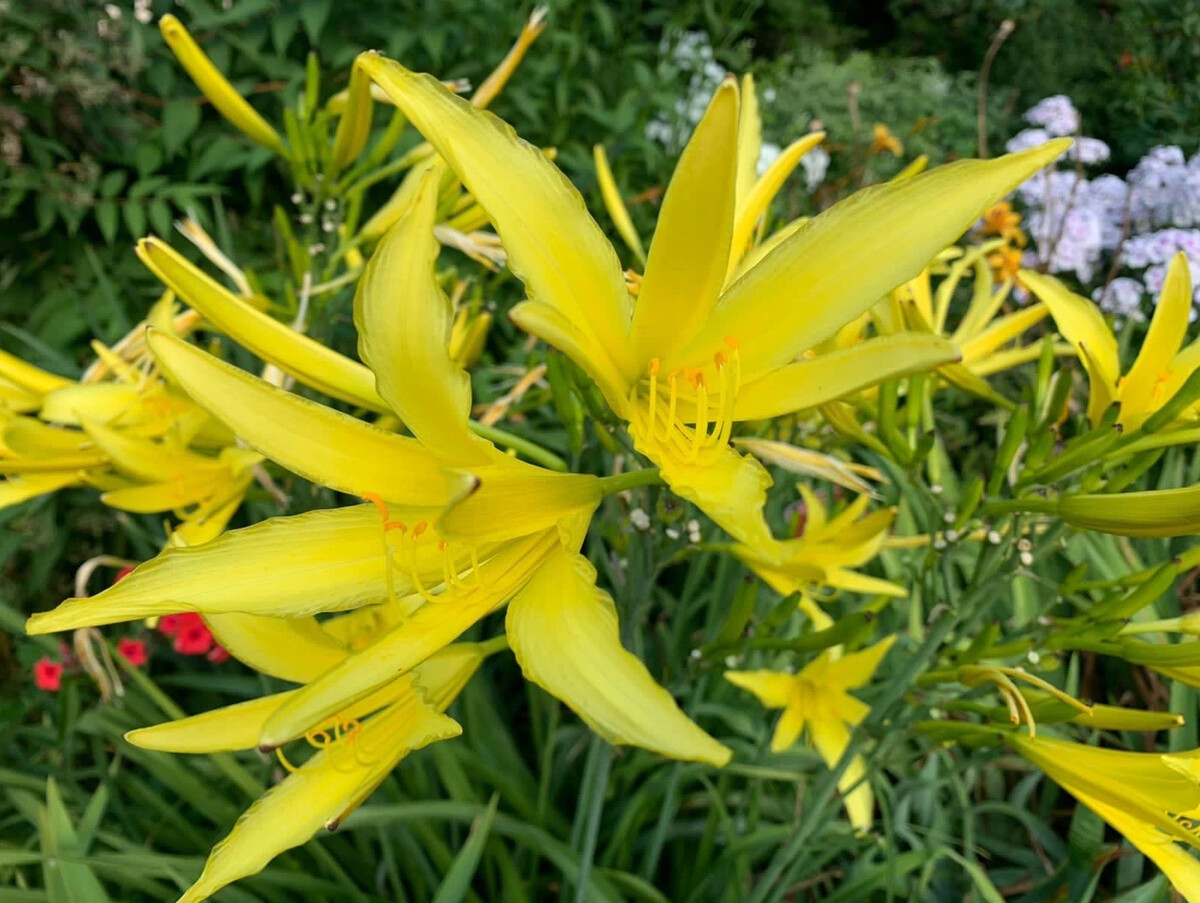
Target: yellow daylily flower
{"x": 1152, "y": 799}
{"x": 353, "y": 756}
{"x": 1163, "y": 363}
{"x": 818, "y": 699}
{"x": 827, "y": 551}
{"x": 508, "y": 526}
{"x": 694, "y": 356}
{"x": 987, "y": 336}
{"x": 124, "y": 430}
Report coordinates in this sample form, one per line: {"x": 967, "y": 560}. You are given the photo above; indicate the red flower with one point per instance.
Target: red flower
{"x": 192, "y": 636}
{"x": 47, "y": 674}
{"x": 218, "y": 654}
{"x": 123, "y": 573}
{"x": 168, "y": 625}
{"x": 133, "y": 651}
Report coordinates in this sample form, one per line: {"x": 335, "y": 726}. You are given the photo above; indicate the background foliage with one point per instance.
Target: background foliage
{"x": 102, "y": 139}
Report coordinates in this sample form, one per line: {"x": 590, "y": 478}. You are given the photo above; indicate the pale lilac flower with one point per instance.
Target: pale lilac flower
{"x": 1026, "y": 139}
{"x": 1057, "y": 115}
{"x": 1122, "y": 298}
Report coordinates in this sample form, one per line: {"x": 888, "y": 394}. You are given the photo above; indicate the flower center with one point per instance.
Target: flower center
{"x": 338, "y": 738}
{"x": 690, "y": 419}
{"x": 404, "y": 549}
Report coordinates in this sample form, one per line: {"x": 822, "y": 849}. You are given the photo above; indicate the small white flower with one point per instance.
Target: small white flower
{"x": 640, "y": 520}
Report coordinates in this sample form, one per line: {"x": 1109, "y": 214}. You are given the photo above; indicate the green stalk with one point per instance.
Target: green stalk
{"x": 632, "y": 480}
{"x": 529, "y": 449}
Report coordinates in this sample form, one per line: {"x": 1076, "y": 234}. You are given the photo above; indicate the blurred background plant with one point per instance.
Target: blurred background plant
{"x": 103, "y": 139}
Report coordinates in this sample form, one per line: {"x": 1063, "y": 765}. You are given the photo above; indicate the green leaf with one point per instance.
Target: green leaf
{"x": 314, "y": 14}
{"x": 457, "y": 883}
{"x": 135, "y": 218}
{"x": 112, "y": 183}
{"x": 180, "y": 119}
{"x": 106, "y": 219}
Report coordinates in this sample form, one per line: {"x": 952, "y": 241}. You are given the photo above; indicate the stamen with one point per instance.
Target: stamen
{"x": 475, "y": 567}
{"x": 701, "y": 425}
{"x": 292, "y": 769}
{"x": 654, "y": 365}
{"x": 673, "y": 381}
{"x": 377, "y": 501}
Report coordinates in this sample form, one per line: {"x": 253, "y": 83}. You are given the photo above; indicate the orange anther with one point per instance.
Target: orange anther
{"x": 697, "y": 379}
{"x": 419, "y": 529}
{"x": 377, "y": 502}
{"x": 443, "y": 545}
{"x": 732, "y": 342}
{"x": 394, "y": 525}
{"x": 654, "y": 365}
{"x": 719, "y": 359}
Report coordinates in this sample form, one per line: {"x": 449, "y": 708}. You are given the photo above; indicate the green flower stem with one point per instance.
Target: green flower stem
{"x": 1165, "y": 625}
{"x": 495, "y": 644}
{"x": 632, "y": 480}
{"x": 1035, "y": 505}
{"x": 529, "y": 449}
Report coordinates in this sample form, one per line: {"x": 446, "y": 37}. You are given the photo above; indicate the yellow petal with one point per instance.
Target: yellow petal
{"x": 844, "y": 260}
{"x": 15, "y": 490}
{"x": 857, "y": 668}
{"x": 321, "y": 792}
{"x": 33, "y": 380}
{"x": 554, "y": 245}
{"x": 325, "y": 560}
{"x": 169, "y": 496}
{"x": 297, "y": 355}
{"x": 1082, "y": 324}
{"x": 836, "y": 374}
{"x": 1179, "y": 865}
{"x": 517, "y": 499}
{"x": 498, "y": 77}
{"x": 1000, "y": 361}
{"x": 216, "y": 87}
{"x": 232, "y": 727}
{"x": 617, "y": 211}
{"x": 354, "y": 125}
{"x": 1161, "y": 345}
{"x": 14, "y": 399}
{"x": 729, "y": 487}
{"x": 553, "y": 327}
{"x": 26, "y": 436}
{"x": 295, "y": 649}
{"x": 1001, "y": 332}
{"x": 316, "y": 442}
{"x": 749, "y": 139}
{"x": 690, "y": 249}
{"x": 774, "y": 689}
{"x": 831, "y": 739}
{"x": 77, "y": 462}
{"x": 404, "y": 322}
{"x": 148, "y": 460}
{"x": 206, "y": 524}
{"x": 751, "y": 209}
{"x": 788, "y": 730}
{"x": 432, "y": 627}
{"x": 809, "y": 463}
{"x": 357, "y": 629}
{"x": 562, "y": 612}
